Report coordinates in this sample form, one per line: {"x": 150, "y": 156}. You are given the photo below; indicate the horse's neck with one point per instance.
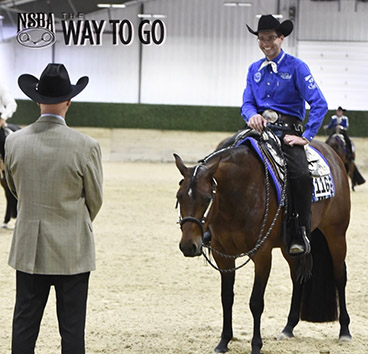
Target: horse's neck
{"x": 241, "y": 182}
{"x": 241, "y": 201}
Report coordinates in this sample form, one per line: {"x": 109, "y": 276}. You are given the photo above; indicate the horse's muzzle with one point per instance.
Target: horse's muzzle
{"x": 191, "y": 248}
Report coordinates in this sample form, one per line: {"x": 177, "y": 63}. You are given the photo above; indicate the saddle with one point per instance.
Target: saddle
{"x": 270, "y": 145}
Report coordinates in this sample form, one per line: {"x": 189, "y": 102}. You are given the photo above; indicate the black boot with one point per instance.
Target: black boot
{"x": 301, "y": 196}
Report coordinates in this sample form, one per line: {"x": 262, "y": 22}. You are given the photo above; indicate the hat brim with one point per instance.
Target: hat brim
{"x": 28, "y": 84}
{"x": 285, "y": 28}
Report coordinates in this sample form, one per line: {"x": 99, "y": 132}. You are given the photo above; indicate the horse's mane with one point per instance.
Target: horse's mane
{"x": 224, "y": 153}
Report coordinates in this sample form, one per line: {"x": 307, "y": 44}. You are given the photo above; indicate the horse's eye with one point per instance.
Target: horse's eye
{"x": 181, "y": 181}
{"x": 207, "y": 199}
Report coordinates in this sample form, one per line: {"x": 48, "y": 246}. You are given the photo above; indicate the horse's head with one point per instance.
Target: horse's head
{"x": 194, "y": 202}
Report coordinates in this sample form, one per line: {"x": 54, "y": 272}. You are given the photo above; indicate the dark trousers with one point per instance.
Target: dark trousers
{"x": 32, "y": 291}
{"x": 299, "y": 177}
{"x": 300, "y": 183}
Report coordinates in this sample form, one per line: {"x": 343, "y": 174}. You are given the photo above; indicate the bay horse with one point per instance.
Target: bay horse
{"x": 339, "y": 145}
{"x": 11, "y": 201}
{"x": 228, "y": 194}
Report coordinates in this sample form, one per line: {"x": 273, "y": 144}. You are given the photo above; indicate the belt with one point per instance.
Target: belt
{"x": 292, "y": 122}
{"x": 284, "y": 121}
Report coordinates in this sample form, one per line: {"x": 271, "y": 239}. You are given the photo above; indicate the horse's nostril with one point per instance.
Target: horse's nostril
{"x": 194, "y": 249}
{"x": 189, "y": 250}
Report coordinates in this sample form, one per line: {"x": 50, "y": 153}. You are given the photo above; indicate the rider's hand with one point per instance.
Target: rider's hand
{"x": 257, "y": 122}
{"x": 292, "y": 140}
{"x": 2, "y": 123}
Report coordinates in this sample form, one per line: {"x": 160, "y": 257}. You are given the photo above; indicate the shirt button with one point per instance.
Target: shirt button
{"x": 268, "y": 95}
{"x": 268, "y": 84}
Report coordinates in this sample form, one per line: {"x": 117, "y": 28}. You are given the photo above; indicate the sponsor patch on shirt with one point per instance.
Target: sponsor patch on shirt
{"x": 285, "y": 76}
{"x": 311, "y": 83}
{"x": 257, "y": 76}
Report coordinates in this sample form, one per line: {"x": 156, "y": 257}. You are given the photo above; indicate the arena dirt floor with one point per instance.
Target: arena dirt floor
{"x": 146, "y": 297}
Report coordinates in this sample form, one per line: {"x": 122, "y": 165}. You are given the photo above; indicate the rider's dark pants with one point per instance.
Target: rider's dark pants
{"x": 300, "y": 179}
{"x": 300, "y": 182}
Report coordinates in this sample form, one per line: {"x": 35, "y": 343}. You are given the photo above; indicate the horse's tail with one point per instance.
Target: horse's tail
{"x": 319, "y": 297}
{"x": 357, "y": 178}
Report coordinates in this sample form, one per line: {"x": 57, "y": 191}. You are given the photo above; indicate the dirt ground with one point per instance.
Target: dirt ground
{"x": 146, "y": 297}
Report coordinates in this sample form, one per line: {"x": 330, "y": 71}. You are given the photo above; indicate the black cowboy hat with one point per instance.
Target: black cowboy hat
{"x": 270, "y": 23}
{"x": 53, "y": 87}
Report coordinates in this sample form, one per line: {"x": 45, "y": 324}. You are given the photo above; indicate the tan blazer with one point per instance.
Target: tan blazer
{"x": 55, "y": 173}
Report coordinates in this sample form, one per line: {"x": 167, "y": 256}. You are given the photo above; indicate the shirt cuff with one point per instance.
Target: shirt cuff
{"x": 307, "y": 136}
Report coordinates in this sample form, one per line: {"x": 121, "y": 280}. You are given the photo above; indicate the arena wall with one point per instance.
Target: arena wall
{"x": 164, "y": 117}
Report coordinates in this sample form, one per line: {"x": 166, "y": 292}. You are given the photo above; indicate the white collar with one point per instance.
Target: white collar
{"x": 53, "y": 115}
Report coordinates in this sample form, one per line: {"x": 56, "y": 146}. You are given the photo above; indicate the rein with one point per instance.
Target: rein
{"x": 260, "y": 239}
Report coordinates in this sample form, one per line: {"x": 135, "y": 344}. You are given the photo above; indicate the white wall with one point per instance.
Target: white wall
{"x": 341, "y": 71}
{"x": 343, "y": 20}
{"x": 207, "y": 52}
{"x": 205, "y": 57}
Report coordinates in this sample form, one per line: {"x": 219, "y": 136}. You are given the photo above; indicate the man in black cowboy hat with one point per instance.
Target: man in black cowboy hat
{"x": 277, "y": 88}
{"x": 55, "y": 173}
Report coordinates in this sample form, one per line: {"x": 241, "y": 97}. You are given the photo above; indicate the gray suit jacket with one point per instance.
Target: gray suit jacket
{"x": 56, "y": 174}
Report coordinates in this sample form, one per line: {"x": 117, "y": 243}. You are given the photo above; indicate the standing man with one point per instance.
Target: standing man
{"x": 56, "y": 175}
{"x": 277, "y": 88}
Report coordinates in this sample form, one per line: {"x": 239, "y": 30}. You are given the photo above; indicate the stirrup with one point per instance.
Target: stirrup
{"x": 306, "y": 240}
{"x": 298, "y": 249}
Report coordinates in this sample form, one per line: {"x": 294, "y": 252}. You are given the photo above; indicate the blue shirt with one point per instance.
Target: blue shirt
{"x": 285, "y": 92}
{"x": 336, "y": 120}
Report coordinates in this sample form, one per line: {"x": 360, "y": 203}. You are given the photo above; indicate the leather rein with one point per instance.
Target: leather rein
{"x": 204, "y": 219}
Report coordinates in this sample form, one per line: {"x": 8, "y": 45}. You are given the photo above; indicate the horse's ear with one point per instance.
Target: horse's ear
{"x": 180, "y": 165}
{"x": 212, "y": 168}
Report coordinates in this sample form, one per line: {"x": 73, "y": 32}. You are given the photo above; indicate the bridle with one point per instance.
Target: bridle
{"x": 202, "y": 221}
{"x": 261, "y": 238}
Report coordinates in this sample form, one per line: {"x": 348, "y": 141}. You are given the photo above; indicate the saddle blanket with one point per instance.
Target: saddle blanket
{"x": 323, "y": 184}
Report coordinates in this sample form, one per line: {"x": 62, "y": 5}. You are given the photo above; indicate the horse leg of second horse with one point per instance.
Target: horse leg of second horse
{"x": 227, "y": 299}
{"x": 262, "y": 272}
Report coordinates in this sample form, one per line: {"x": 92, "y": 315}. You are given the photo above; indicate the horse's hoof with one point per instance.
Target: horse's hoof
{"x": 345, "y": 338}
{"x": 4, "y": 226}
{"x": 256, "y": 351}
{"x": 285, "y": 335}
{"x": 222, "y": 347}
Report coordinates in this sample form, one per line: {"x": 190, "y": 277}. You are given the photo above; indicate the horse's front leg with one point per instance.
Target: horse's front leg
{"x": 262, "y": 272}
{"x": 227, "y": 299}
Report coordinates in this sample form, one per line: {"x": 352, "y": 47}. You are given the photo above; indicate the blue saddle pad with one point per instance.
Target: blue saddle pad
{"x": 323, "y": 184}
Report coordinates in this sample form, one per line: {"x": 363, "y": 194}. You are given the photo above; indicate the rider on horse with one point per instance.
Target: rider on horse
{"x": 339, "y": 124}
{"x": 277, "y": 88}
